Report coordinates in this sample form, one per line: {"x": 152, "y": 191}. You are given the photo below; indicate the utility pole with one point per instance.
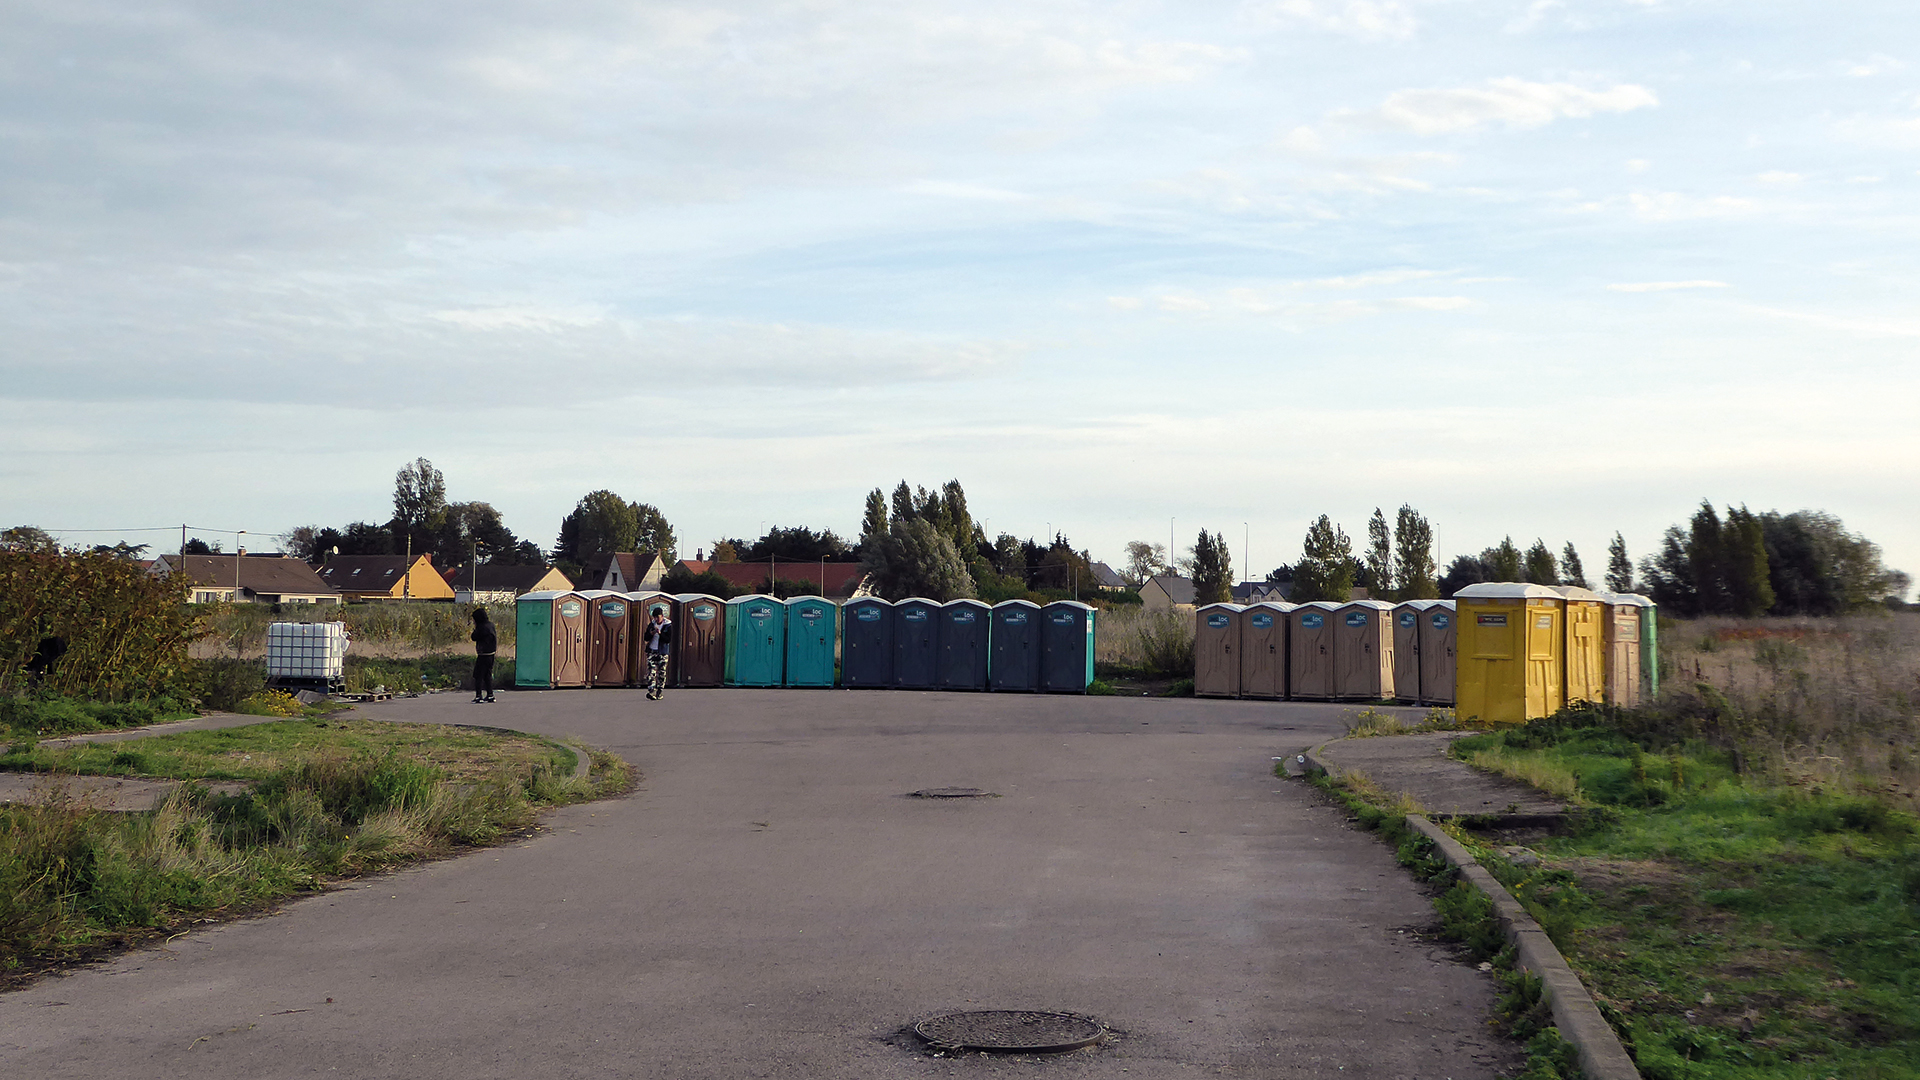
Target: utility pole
{"x": 406, "y": 571}
{"x": 239, "y": 550}
{"x": 1246, "y": 562}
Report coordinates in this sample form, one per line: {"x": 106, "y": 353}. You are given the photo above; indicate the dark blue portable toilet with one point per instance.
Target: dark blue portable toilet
{"x": 963, "y": 645}
{"x": 916, "y": 640}
{"x": 1013, "y": 648}
{"x": 1066, "y": 647}
{"x": 866, "y": 643}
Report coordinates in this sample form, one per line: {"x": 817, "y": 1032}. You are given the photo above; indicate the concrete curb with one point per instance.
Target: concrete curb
{"x": 1602, "y": 1056}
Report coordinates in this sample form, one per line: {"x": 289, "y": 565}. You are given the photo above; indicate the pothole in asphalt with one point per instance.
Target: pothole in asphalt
{"x": 951, "y": 793}
{"x": 1010, "y": 1031}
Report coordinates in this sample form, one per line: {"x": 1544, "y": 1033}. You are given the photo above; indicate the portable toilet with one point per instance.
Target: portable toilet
{"x": 1263, "y": 649}
{"x": 1013, "y": 646}
{"x": 640, "y": 608}
{"x": 756, "y": 641}
{"x": 1509, "y": 652}
{"x": 1310, "y": 642}
{"x": 700, "y": 641}
{"x": 1437, "y": 663}
{"x": 1584, "y": 654}
{"x": 1363, "y": 650}
{"x": 866, "y": 643}
{"x": 1624, "y": 678}
{"x": 963, "y": 645}
{"x": 811, "y": 637}
{"x": 1216, "y": 650}
{"x": 916, "y": 641}
{"x": 1066, "y": 647}
{"x": 1406, "y": 648}
{"x": 550, "y": 639}
{"x": 1649, "y": 650}
{"x": 609, "y": 644}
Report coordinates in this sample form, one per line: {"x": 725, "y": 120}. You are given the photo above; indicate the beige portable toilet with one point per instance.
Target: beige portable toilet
{"x": 1406, "y": 648}
{"x": 1363, "y": 650}
{"x": 1585, "y": 667}
{"x": 1438, "y": 637}
{"x": 1216, "y": 650}
{"x": 1623, "y": 647}
{"x": 1310, "y": 640}
{"x": 1510, "y": 651}
{"x": 1263, "y": 650}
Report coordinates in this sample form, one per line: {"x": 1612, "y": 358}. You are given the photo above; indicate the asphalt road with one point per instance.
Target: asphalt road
{"x": 770, "y": 903}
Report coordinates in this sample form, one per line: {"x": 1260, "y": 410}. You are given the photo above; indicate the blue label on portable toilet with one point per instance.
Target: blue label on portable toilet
{"x": 703, "y": 612}
{"x": 916, "y": 614}
{"x": 1312, "y": 620}
{"x": 868, "y": 614}
{"x": 810, "y": 614}
{"x": 613, "y": 609}
{"x": 761, "y": 613}
{"x": 1216, "y": 621}
{"x": 1063, "y": 618}
{"x": 1356, "y": 618}
{"x": 1262, "y": 621}
{"x": 1440, "y": 620}
{"x": 963, "y": 616}
{"x": 570, "y": 609}
{"x": 1409, "y": 619}
{"x": 1016, "y": 618}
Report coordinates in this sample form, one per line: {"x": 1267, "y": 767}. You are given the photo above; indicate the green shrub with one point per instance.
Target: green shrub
{"x": 225, "y": 682}
{"x": 36, "y": 715}
{"x": 1180, "y": 688}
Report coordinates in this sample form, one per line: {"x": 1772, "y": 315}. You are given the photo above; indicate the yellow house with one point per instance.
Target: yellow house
{"x": 386, "y": 577}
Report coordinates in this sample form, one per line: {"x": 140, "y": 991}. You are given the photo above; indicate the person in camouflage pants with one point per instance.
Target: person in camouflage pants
{"x": 659, "y": 638}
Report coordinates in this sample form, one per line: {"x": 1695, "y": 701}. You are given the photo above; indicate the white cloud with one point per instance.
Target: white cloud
{"x": 1877, "y": 64}
{"x": 1365, "y": 19}
{"x": 1511, "y": 102}
{"x": 1434, "y": 303}
{"x": 948, "y": 190}
{"x": 1665, "y": 286}
{"x": 1638, "y": 165}
{"x": 1779, "y": 177}
{"x": 1674, "y": 206}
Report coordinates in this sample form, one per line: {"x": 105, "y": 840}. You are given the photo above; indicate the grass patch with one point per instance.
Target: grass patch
{"x": 1371, "y": 722}
{"x": 37, "y": 715}
{"x": 327, "y": 801}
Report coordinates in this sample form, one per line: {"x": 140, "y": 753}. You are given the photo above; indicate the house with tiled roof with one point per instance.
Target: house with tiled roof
{"x": 249, "y": 579}
{"x": 386, "y": 577}
{"x": 490, "y": 583}
{"x": 623, "y": 571}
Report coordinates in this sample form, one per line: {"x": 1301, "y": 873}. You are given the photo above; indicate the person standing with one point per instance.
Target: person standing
{"x": 485, "y": 644}
{"x": 659, "y": 644}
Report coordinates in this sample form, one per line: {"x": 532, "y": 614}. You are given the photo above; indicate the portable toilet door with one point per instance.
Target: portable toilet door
{"x": 1363, "y": 650}
{"x": 1623, "y": 648}
{"x": 1013, "y": 646}
{"x": 1437, "y": 663}
{"x": 963, "y": 645}
{"x": 534, "y": 642}
{"x": 640, "y": 607}
{"x": 1584, "y": 654}
{"x": 1066, "y": 647}
{"x": 1263, "y": 650}
{"x": 1509, "y": 652}
{"x": 1216, "y": 650}
{"x": 607, "y": 640}
{"x": 700, "y": 641}
{"x": 1310, "y": 651}
{"x": 1406, "y": 648}
{"x": 916, "y": 641}
{"x": 866, "y": 643}
{"x": 756, "y": 640}
{"x": 810, "y": 641}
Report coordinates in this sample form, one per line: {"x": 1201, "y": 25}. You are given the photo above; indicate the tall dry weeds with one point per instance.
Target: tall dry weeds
{"x": 1158, "y": 642}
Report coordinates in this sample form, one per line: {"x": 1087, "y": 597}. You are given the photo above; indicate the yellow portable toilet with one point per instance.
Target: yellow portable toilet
{"x": 1263, "y": 650}
{"x": 1363, "y": 650}
{"x": 1585, "y": 661}
{"x": 1437, "y": 664}
{"x": 1406, "y": 648}
{"x": 1216, "y": 650}
{"x": 1509, "y": 652}
{"x": 1623, "y": 647}
{"x": 1310, "y": 650}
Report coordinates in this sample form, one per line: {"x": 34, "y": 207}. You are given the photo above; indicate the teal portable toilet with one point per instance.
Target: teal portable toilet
{"x": 1066, "y": 647}
{"x": 916, "y": 633}
{"x": 866, "y": 643}
{"x": 1013, "y": 646}
{"x": 963, "y": 645}
{"x": 810, "y": 640}
{"x": 756, "y": 640}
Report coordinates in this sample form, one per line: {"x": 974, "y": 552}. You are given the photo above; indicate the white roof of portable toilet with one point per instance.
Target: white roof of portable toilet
{"x": 1506, "y": 590}
{"x": 966, "y": 601}
{"x": 745, "y": 597}
{"x": 1016, "y": 603}
{"x": 1323, "y": 605}
{"x": 1576, "y": 592}
{"x": 595, "y": 594}
{"x": 1377, "y": 605}
{"x": 796, "y": 599}
{"x": 1627, "y": 599}
{"x": 689, "y": 597}
{"x": 1223, "y": 604}
{"x": 916, "y": 600}
{"x": 545, "y": 594}
{"x": 1278, "y": 605}
{"x": 1071, "y": 603}
{"x": 1423, "y": 605}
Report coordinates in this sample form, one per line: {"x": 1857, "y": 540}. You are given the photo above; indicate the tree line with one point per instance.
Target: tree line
{"x": 1747, "y": 564}
{"x": 921, "y": 542}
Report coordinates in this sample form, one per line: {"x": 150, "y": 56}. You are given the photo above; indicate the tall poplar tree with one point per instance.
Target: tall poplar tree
{"x": 1571, "y": 572}
{"x": 1380, "y": 557}
{"x": 1619, "y": 567}
{"x": 1413, "y": 556}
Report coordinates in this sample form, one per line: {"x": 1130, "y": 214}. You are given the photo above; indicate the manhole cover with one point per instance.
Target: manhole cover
{"x": 1015, "y": 1031}
{"x": 950, "y": 793}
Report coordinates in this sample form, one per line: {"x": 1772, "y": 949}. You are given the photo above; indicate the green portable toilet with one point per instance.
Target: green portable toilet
{"x": 550, "y": 640}
{"x": 1066, "y": 647}
{"x": 811, "y": 636}
{"x": 963, "y": 645}
{"x": 916, "y": 631}
{"x": 866, "y": 643}
{"x": 1013, "y": 646}
{"x": 756, "y": 640}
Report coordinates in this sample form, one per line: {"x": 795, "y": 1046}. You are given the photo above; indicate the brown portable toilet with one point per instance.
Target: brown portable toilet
{"x": 1585, "y": 670}
{"x": 1623, "y": 647}
{"x": 1310, "y": 642}
{"x": 1406, "y": 648}
{"x": 700, "y": 641}
{"x": 1216, "y": 650}
{"x": 640, "y": 607}
{"x": 609, "y": 640}
{"x": 1263, "y": 650}
{"x": 570, "y": 631}
{"x": 1437, "y": 662}
{"x": 1363, "y": 650}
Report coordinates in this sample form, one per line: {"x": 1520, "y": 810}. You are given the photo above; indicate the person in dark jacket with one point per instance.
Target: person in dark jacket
{"x": 659, "y": 640}
{"x": 485, "y": 644}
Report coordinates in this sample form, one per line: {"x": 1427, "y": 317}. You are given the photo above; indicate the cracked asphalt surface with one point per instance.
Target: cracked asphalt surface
{"x": 771, "y": 903}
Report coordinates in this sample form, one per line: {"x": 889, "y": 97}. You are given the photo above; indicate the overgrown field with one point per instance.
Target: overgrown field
{"x": 325, "y": 800}
{"x": 1158, "y": 643}
{"x": 388, "y": 629}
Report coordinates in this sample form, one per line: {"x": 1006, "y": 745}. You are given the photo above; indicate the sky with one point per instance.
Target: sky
{"x": 1538, "y": 268}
